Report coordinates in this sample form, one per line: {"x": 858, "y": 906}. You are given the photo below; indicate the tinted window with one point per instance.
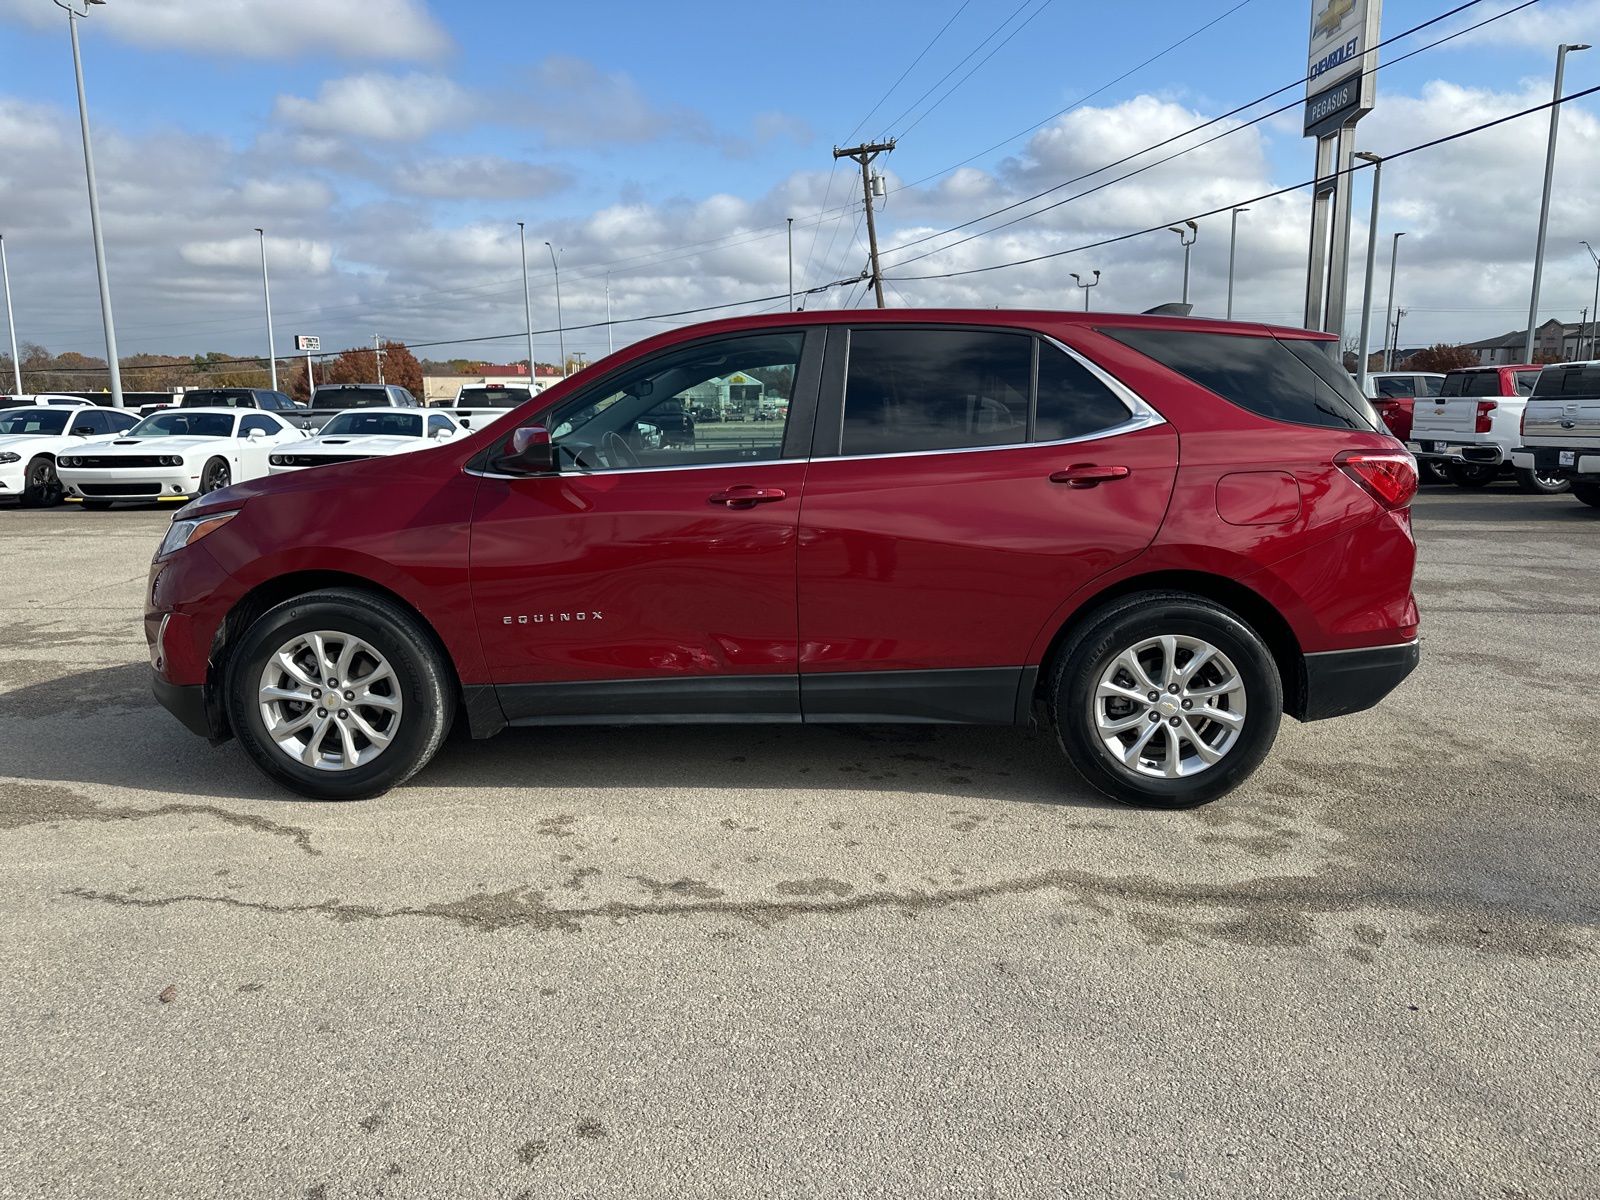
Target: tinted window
{"x": 935, "y": 389}
{"x": 1525, "y": 382}
{"x": 740, "y": 388}
{"x": 93, "y": 424}
{"x": 1392, "y": 388}
{"x": 1072, "y": 401}
{"x": 35, "y": 421}
{"x": 1577, "y": 383}
{"x": 351, "y": 397}
{"x": 178, "y": 423}
{"x": 374, "y": 424}
{"x": 1471, "y": 383}
{"x": 219, "y": 398}
{"x": 1295, "y": 380}
{"x": 1428, "y": 385}
{"x": 120, "y": 421}
{"x": 493, "y": 396}
{"x": 401, "y": 398}
{"x": 438, "y": 424}
{"x": 265, "y": 424}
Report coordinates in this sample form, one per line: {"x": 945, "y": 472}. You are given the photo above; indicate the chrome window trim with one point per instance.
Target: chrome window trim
{"x": 1142, "y": 412}
{"x": 750, "y": 463}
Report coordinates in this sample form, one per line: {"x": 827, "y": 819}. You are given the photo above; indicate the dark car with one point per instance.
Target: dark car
{"x": 238, "y": 398}
{"x": 1156, "y": 535}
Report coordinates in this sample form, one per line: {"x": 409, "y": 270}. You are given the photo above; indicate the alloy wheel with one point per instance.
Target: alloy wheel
{"x": 330, "y": 700}
{"x": 1169, "y": 707}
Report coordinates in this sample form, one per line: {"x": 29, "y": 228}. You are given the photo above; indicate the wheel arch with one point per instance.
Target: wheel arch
{"x": 1246, "y": 603}
{"x": 274, "y": 591}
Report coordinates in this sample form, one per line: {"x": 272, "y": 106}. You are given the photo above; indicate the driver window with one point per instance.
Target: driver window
{"x": 725, "y": 401}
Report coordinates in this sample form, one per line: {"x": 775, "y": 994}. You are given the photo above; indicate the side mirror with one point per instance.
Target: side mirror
{"x": 444, "y": 435}
{"x": 256, "y": 435}
{"x": 531, "y": 452}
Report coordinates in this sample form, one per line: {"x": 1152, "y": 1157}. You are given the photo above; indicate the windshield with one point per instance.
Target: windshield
{"x": 177, "y": 423}
{"x": 41, "y": 421}
{"x": 351, "y": 397}
{"x": 492, "y": 397}
{"x": 219, "y": 398}
{"x": 383, "y": 424}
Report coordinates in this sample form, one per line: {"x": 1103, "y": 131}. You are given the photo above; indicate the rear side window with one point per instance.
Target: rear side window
{"x": 1295, "y": 380}
{"x": 265, "y": 424}
{"x": 1072, "y": 400}
{"x": 935, "y": 389}
{"x": 1472, "y": 383}
{"x": 93, "y": 423}
{"x": 1395, "y": 389}
{"x": 1525, "y": 382}
{"x": 439, "y": 424}
{"x": 1427, "y": 385}
{"x": 1576, "y": 383}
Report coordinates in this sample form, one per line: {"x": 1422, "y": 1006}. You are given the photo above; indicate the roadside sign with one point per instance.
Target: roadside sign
{"x": 1341, "y": 80}
{"x": 310, "y": 343}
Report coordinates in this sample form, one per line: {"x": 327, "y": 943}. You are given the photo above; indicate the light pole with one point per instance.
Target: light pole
{"x": 1078, "y": 279}
{"x": 1544, "y": 204}
{"x": 791, "y": 263}
{"x": 611, "y": 338}
{"x": 266, "y": 290}
{"x": 1372, "y": 259}
{"x": 1594, "y": 312}
{"x": 527, "y": 301}
{"x": 11, "y": 320}
{"x": 1388, "y": 314}
{"x": 1188, "y": 240}
{"x": 561, "y": 331}
{"x": 1233, "y": 245}
{"x": 115, "y": 368}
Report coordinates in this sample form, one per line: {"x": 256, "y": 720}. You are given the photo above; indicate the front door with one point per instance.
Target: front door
{"x": 654, "y": 576}
{"x": 981, "y": 477}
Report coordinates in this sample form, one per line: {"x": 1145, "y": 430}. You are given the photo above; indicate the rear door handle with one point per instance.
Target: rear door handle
{"x": 745, "y": 496}
{"x": 1088, "y": 475}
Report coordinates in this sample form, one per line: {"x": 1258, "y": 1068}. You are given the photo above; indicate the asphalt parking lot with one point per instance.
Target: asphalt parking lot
{"x": 772, "y": 961}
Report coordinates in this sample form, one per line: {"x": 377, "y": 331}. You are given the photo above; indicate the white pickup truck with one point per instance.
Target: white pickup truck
{"x": 1561, "y": 428}
{"x": 1472, "y": 426}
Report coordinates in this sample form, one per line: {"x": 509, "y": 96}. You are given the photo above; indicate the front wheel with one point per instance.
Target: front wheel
{"x": 1433, "y": 471}
{"x": 339, "y": 694}
{"x": 1589, "y": 493}
{"x": 215, "y": 477}
{"x": 1471, "y": 476}
{"x": 1166, "y": 700}
{"x": 1536, "y": 484}
{"x": 41, "y": 488}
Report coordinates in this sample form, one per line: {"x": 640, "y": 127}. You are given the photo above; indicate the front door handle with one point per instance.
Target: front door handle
{"x": 744, "y": 496}
{"x": 1088, "y": 475}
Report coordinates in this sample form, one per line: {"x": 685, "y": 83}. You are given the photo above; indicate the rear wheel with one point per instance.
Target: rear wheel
{"x": 1433, "y": 471}
{"x": 1589, "y": 493}
{"x": 41, "y": 488}
{"x": 1166, "y": 700}
{"x": 1470, "y": 475}
{"x": 1535, "y": 483}
{"x": 339, "y": 694}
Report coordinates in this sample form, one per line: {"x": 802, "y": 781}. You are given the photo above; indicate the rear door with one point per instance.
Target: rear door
{"x": 644, "y": 580}
{"x": 1454, "y": 411}
{"x": 966, "y": 482}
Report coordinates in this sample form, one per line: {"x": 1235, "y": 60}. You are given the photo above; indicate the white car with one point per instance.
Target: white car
{"x": 31, "y": 439}
{"x": 45, "y": 398}
{"x": 358, "y": 433}
{"x": 177, "y": 452}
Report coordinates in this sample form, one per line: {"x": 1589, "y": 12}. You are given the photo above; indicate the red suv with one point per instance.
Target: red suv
{"x": 1156, "y": 534}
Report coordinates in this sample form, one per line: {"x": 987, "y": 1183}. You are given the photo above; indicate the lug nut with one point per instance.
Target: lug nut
{"x": 1155, "y": 716}
{"x": 1154, "y": 696}
{"x": 322, "y": 712}
{"x": 1173, "y": 688}
{"x": 343, "y": 714}
{"x": 316, "y": 693}
{"x": 1188, "y": 704}
{"x": 1173, "y": 722}
{"x": 333, "y": 683}
{"x": 349, "y": 695}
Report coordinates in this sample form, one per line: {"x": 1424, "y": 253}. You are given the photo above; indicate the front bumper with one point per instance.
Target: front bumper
{"x": 13, "y": 478}
{"x": 1443, "y": 450}
{"x": 129, "y": 483}
{"x": 1340, "y": 682}
{"x": 187, "y": 702}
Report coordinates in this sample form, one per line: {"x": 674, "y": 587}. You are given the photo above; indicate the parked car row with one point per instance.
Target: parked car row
{"x": 1560, "y": 431}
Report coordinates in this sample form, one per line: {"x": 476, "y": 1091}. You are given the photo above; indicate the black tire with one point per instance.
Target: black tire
{"x": 1588, "y": 493}
{"x": 1433, "y": 471}
{"x": 41, "y": 488}
{"x": 425, "y": 684}
{"x": 1471, "y": 476}
{"x": 97, "y": 505}
{"x": 1534, "y": 484}
{"x": 1103, "y": 637}
{"x": 215, "y": 476}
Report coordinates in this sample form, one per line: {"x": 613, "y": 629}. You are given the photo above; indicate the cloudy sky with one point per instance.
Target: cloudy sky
{"x": 389, "y": 147}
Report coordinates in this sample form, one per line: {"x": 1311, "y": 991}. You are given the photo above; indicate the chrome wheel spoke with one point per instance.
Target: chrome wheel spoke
{"x": 1125, "y": 693}
{"x": 1129, "y": 661}
{"x": 1110, "y": 725}
{"x": 1199, "y": 706}
{"x": 341, "y": 669}
{"x": 312, "y": 723}
{"x": 301, "y": 695}
{"x": 347, "y": 743}
{"x": 311, "y": 751}
{"x": 373, "y": 700}
{"x": 1201, "y": 747}
{"x": 1130, "y": 756}
{"x": 372, "y": 735}
{"x": 286, "y": 663}
{"x": 1172, "y": 764}
{"x": 1169, "y": 659}
{"x": 1222, "y": 716}
{"x": 1197, "y": 660}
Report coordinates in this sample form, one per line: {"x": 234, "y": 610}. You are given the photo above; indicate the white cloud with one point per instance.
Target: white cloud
{"x": 477, "y": 177}
{"x": 1543, "y": 27}
{"x": 290, "y": 254}
{"x": 383, "y": 107}
{"x": 374, "y": 29}
{"x": 573, "y": 102}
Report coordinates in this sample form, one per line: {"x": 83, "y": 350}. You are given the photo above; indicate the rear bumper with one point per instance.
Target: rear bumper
{"x": 1340, "y": 682}
{"x": 1548, "y": 461}
{"x": 1485, "y": 455}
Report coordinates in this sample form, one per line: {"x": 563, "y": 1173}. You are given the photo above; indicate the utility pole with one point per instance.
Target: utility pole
{"x": 791, "y": 264}
{"x": 1095, "y": 282}
{"x": 1372, "y": 257}
{"x": 1544, "y": 204}
{"x": 1233, "y": 246}
{"x": 1594, "y": 325}
{"x": 1577, "y": 346}
{"x": 1388, "y": 313}
{"x": 611, "y": 337}
{"x": 1398, "y": 314}
{"x": 113, "y": 366}
{"x": 561, "y": 331}
{"x": 527, "y": 298}
{"x": 377, "y": 353}
{"x": 11, "y": 320}
{"x": 580, "y": 355}
{"x": 864, "y": 154}
{"x": 266, "y": 290}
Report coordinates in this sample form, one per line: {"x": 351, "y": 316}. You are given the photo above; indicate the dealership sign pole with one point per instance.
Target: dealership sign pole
{"x": 1341, "y": 86}
{"x": 310, "y": 344}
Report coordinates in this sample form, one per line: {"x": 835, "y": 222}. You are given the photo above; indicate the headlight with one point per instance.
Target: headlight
{"x": 188, "y": 532}
{"x": 8, "y": 457}
{"x": 280, "y": 460}
{"x": 68, "y": 462}
{"x": 171, "y": 460}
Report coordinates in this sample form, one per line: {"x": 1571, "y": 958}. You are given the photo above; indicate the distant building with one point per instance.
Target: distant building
{"x": 1552, "y": 340}
{"x": 442, "y": 389}
{"x": 736, "y": 397}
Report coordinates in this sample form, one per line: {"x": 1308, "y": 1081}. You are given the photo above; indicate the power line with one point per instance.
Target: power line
{"x": 938, "y": 83}
{"x": 1180, "y": 136}
{"x": 924, "y": 114}
{"x": 920, "y": 56}
{"x": 1439, "y": 141}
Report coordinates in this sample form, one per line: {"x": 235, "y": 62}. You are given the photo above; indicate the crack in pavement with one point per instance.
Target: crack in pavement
{"x": 1276, "y": 910}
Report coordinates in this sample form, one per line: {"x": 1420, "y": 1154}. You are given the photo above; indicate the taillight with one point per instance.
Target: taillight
{"x": 1522, "y": 424}
{"x": 1485, "y": 407}
{"x": 1388, "y": 476}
